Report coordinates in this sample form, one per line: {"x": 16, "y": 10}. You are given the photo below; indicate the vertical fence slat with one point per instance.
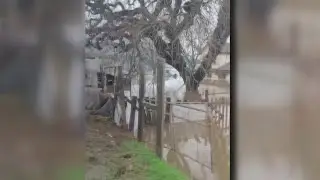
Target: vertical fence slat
{"x": 141, "y": 106}
{"x": 211, "y": 136}
{"x": 168, "y": 108}
{"x": 206, "y": 95}
{"x": 223, "y": 112}
{"x": 218, "y": 110}
{"x": 133, "y": 112}
{"x": 123, "y": 120}
{"x": 160, "y": 108}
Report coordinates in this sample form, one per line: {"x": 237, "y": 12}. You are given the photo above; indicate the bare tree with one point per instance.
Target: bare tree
{"x": 122, "y": 22}
{"x": 215, "y": 43}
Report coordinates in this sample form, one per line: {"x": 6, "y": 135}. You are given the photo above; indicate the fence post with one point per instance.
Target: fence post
{"x": 103, "y": 79}
{"x": 120, "y": 92}
{"x": 206, "y": 95}
{"x": 153, "y": 113}
{"x": 160, "y": 108}
{"x": 171, "y": 113}
{"x": 133, "y": 112}
{"x": 225, "y": 112}
{"x": 141, "y": 106}
{"x": 115, "y": 86}
{"x": 168, "y": 108}
{"x": 211, "y": 135}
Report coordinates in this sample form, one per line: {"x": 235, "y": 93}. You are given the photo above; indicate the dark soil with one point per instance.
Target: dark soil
{"x": 103, "y": 139}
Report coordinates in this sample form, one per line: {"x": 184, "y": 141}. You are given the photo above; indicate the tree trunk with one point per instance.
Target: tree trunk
{"x": 216, "y": 43}
{"x": 171, "y": 52}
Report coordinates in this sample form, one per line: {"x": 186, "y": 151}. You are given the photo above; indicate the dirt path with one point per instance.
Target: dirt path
{"x": 102, "y": 142}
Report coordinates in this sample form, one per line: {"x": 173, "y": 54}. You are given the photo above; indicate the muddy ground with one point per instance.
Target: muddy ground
{"x": 103, "y": 139}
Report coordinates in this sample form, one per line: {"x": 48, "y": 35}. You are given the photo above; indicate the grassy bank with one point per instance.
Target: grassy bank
{"x": 114, "y": 154}
{"x": 135, "y": 161}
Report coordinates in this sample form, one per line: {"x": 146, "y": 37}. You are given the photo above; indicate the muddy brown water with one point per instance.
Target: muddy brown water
{"x": 187, "y": 147}
{"x": 187, "y": 142}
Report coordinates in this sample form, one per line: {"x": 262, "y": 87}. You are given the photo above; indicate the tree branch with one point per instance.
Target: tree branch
{"x": 159, "y": 7}
{"x": 188, "y": 17}
{"x": 215, "y": 44}
{"x": 116, "y": 4}
{"x": 177, "y": 7}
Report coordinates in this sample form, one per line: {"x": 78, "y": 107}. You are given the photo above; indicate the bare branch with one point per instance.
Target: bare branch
{"x": 188, "y": 17}
{"x": 159, "y": 7}
{"x": 216, "y": 42}
{"x": 116, "y": 4}
{"x": 176, "y": 10}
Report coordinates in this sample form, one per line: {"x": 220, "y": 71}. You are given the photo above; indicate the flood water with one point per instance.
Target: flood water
{"x": 187, "y": 142}
{"x": 186, "y": 146}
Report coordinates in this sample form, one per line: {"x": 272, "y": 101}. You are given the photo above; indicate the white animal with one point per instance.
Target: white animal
{"x": 174, "y": 88}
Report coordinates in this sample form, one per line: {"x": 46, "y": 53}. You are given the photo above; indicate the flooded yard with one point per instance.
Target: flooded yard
{"x": 186, "y": 146}
{"x": 188, "y": 143}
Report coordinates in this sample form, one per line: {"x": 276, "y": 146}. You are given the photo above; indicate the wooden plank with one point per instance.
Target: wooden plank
{"x": 160, "y": 108}
{"x": 123, "y": 121}
{"x": 224, "y": 112}
{"x": 186, "y": 102}
{"x": 103, "y": 79}
{"x": 147, "y": 115}
{"x": 188, "y": 107}
{"x": 168, "y": 112}
{"x": 211, "y": 135}
{"x": 133, "y": 113}
{"x": 206, "y": 95}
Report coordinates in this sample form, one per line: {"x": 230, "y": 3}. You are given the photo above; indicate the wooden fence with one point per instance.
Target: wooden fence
{"x": 220, "y": 107}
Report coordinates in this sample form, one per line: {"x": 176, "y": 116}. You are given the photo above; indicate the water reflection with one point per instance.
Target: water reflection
{"x": 187, "y": 146}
